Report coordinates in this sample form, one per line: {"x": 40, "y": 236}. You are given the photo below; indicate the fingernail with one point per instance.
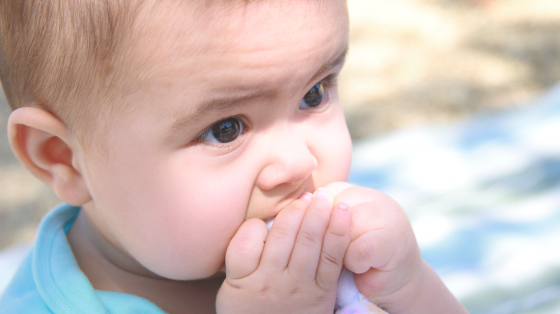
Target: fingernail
{"x": 306, "y": 196}
{"x": 322, "y": 193}
{"x": 341, "y": 210}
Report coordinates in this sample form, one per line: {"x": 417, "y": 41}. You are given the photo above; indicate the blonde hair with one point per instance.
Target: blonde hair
{"x": 56, "y": 54}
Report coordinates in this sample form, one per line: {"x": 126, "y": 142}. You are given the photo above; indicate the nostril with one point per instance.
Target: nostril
{"x": 283, "y": 173}
{"x": 286, "y": 165}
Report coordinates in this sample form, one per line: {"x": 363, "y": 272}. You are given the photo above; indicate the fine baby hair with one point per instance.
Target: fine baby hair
{"x": 173, "y": 130}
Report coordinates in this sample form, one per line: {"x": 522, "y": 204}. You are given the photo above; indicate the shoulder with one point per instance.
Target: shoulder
{"x": 22, "y": 296}
{"x": 27, "y": 290}
{"x": 26, "y": 303}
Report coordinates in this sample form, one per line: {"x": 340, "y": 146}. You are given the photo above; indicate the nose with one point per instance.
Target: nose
{"x": 288, "y": 159}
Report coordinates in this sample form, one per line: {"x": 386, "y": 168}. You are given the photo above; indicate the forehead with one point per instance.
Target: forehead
{"x": 186, "y": 54}
{"x": 190, "y": 54}
{"x": 195, "y": 35}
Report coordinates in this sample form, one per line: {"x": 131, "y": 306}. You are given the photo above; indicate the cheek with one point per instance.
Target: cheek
{"x": 333, "y": 150}
{"x": 174, "y": 219}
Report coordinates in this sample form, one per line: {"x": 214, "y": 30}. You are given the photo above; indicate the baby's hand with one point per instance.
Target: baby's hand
{"x": 291, "y": 269}
{"x": 383, "y": 251}
{"x": 384, "y": 255}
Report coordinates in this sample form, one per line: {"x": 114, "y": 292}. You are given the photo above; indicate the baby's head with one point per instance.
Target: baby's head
{"x": 172, "y": 122}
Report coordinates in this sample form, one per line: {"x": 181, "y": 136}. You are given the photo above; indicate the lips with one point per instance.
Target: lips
{"x": 281, "y": 205}
{"x": 281, "y": 202}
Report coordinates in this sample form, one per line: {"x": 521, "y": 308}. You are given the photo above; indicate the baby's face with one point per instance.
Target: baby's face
{"x": 237, "y": 115}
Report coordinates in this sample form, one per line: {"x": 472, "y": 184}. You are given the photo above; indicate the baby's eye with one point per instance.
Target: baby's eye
{"x": 313, "y": 98}
{"x": 223, "y": 131}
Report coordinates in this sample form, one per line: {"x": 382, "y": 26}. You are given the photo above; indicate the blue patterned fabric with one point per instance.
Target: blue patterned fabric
{"x": 483, "y": 197}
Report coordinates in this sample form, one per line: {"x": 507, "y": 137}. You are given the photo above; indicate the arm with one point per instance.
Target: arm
{"x": 432, "y": 296}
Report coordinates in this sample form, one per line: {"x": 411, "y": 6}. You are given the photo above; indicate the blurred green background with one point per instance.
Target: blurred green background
{"x": 411, "y": 62}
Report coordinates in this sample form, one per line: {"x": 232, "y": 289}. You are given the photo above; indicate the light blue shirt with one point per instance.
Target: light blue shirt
{"x": 50, "y": 281}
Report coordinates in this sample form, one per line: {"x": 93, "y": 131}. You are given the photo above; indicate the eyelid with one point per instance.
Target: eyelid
{"x": 327, "y": 83}
{"x": 198, "y": 139}
{"x": 330, "y": 80}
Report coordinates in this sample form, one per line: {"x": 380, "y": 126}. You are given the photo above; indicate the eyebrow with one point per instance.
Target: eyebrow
{"x": 219, "y": 104}
{"x": 329, "y": 65}
{"x": 234, "y": 100}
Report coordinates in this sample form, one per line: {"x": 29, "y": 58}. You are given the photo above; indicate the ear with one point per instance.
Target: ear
{"x": 45, "y": 146}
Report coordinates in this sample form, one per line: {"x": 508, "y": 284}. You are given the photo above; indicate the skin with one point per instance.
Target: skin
{"x": 201, "y": 191}
{"x": 166, "y": 211}
{"x": 299, "y": 260}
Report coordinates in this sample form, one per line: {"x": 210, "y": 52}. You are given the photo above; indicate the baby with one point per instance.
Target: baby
{"x": 173, "y": 130}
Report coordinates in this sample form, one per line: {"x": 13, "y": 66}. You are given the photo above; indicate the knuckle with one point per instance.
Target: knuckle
{"x": 295, "y": 290}
{"x": 308, "y": 238}
{"x": 327, "y": 286}
{"x": 339, "y": 234}
{"x": 296, "y": 278}
{"x": 279, "y": 232}
{"x": 364, "y": 250}
{"x": 330, "y": 259}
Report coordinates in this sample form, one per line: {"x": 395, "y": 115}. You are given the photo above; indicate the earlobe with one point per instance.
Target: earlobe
{"x": 45, "y": 146}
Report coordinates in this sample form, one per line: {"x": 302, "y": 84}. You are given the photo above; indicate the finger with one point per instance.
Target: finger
{"x": 354, "y": 195}
{"x": 338, "y": 187}
{"x": 377, "y": 214}
{"x": 280, "y": 240}
{"x": 245, "y": 249}
{"x": 309, "y": 241}
{"x": 335, "y": 244}
{"x": 373, "y": 282}
{"x": 373, "y": 249}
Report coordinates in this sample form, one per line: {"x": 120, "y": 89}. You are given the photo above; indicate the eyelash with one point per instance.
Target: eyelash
{"x": 327, "y": 82}
{"x": 208, "y": 130}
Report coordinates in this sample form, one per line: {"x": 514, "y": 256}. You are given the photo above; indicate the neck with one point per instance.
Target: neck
{"x": 109, "y": 269}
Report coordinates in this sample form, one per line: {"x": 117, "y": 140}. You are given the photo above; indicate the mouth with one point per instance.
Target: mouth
{"x": 282, "y": 202}
{"x": 269, "y": 221}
